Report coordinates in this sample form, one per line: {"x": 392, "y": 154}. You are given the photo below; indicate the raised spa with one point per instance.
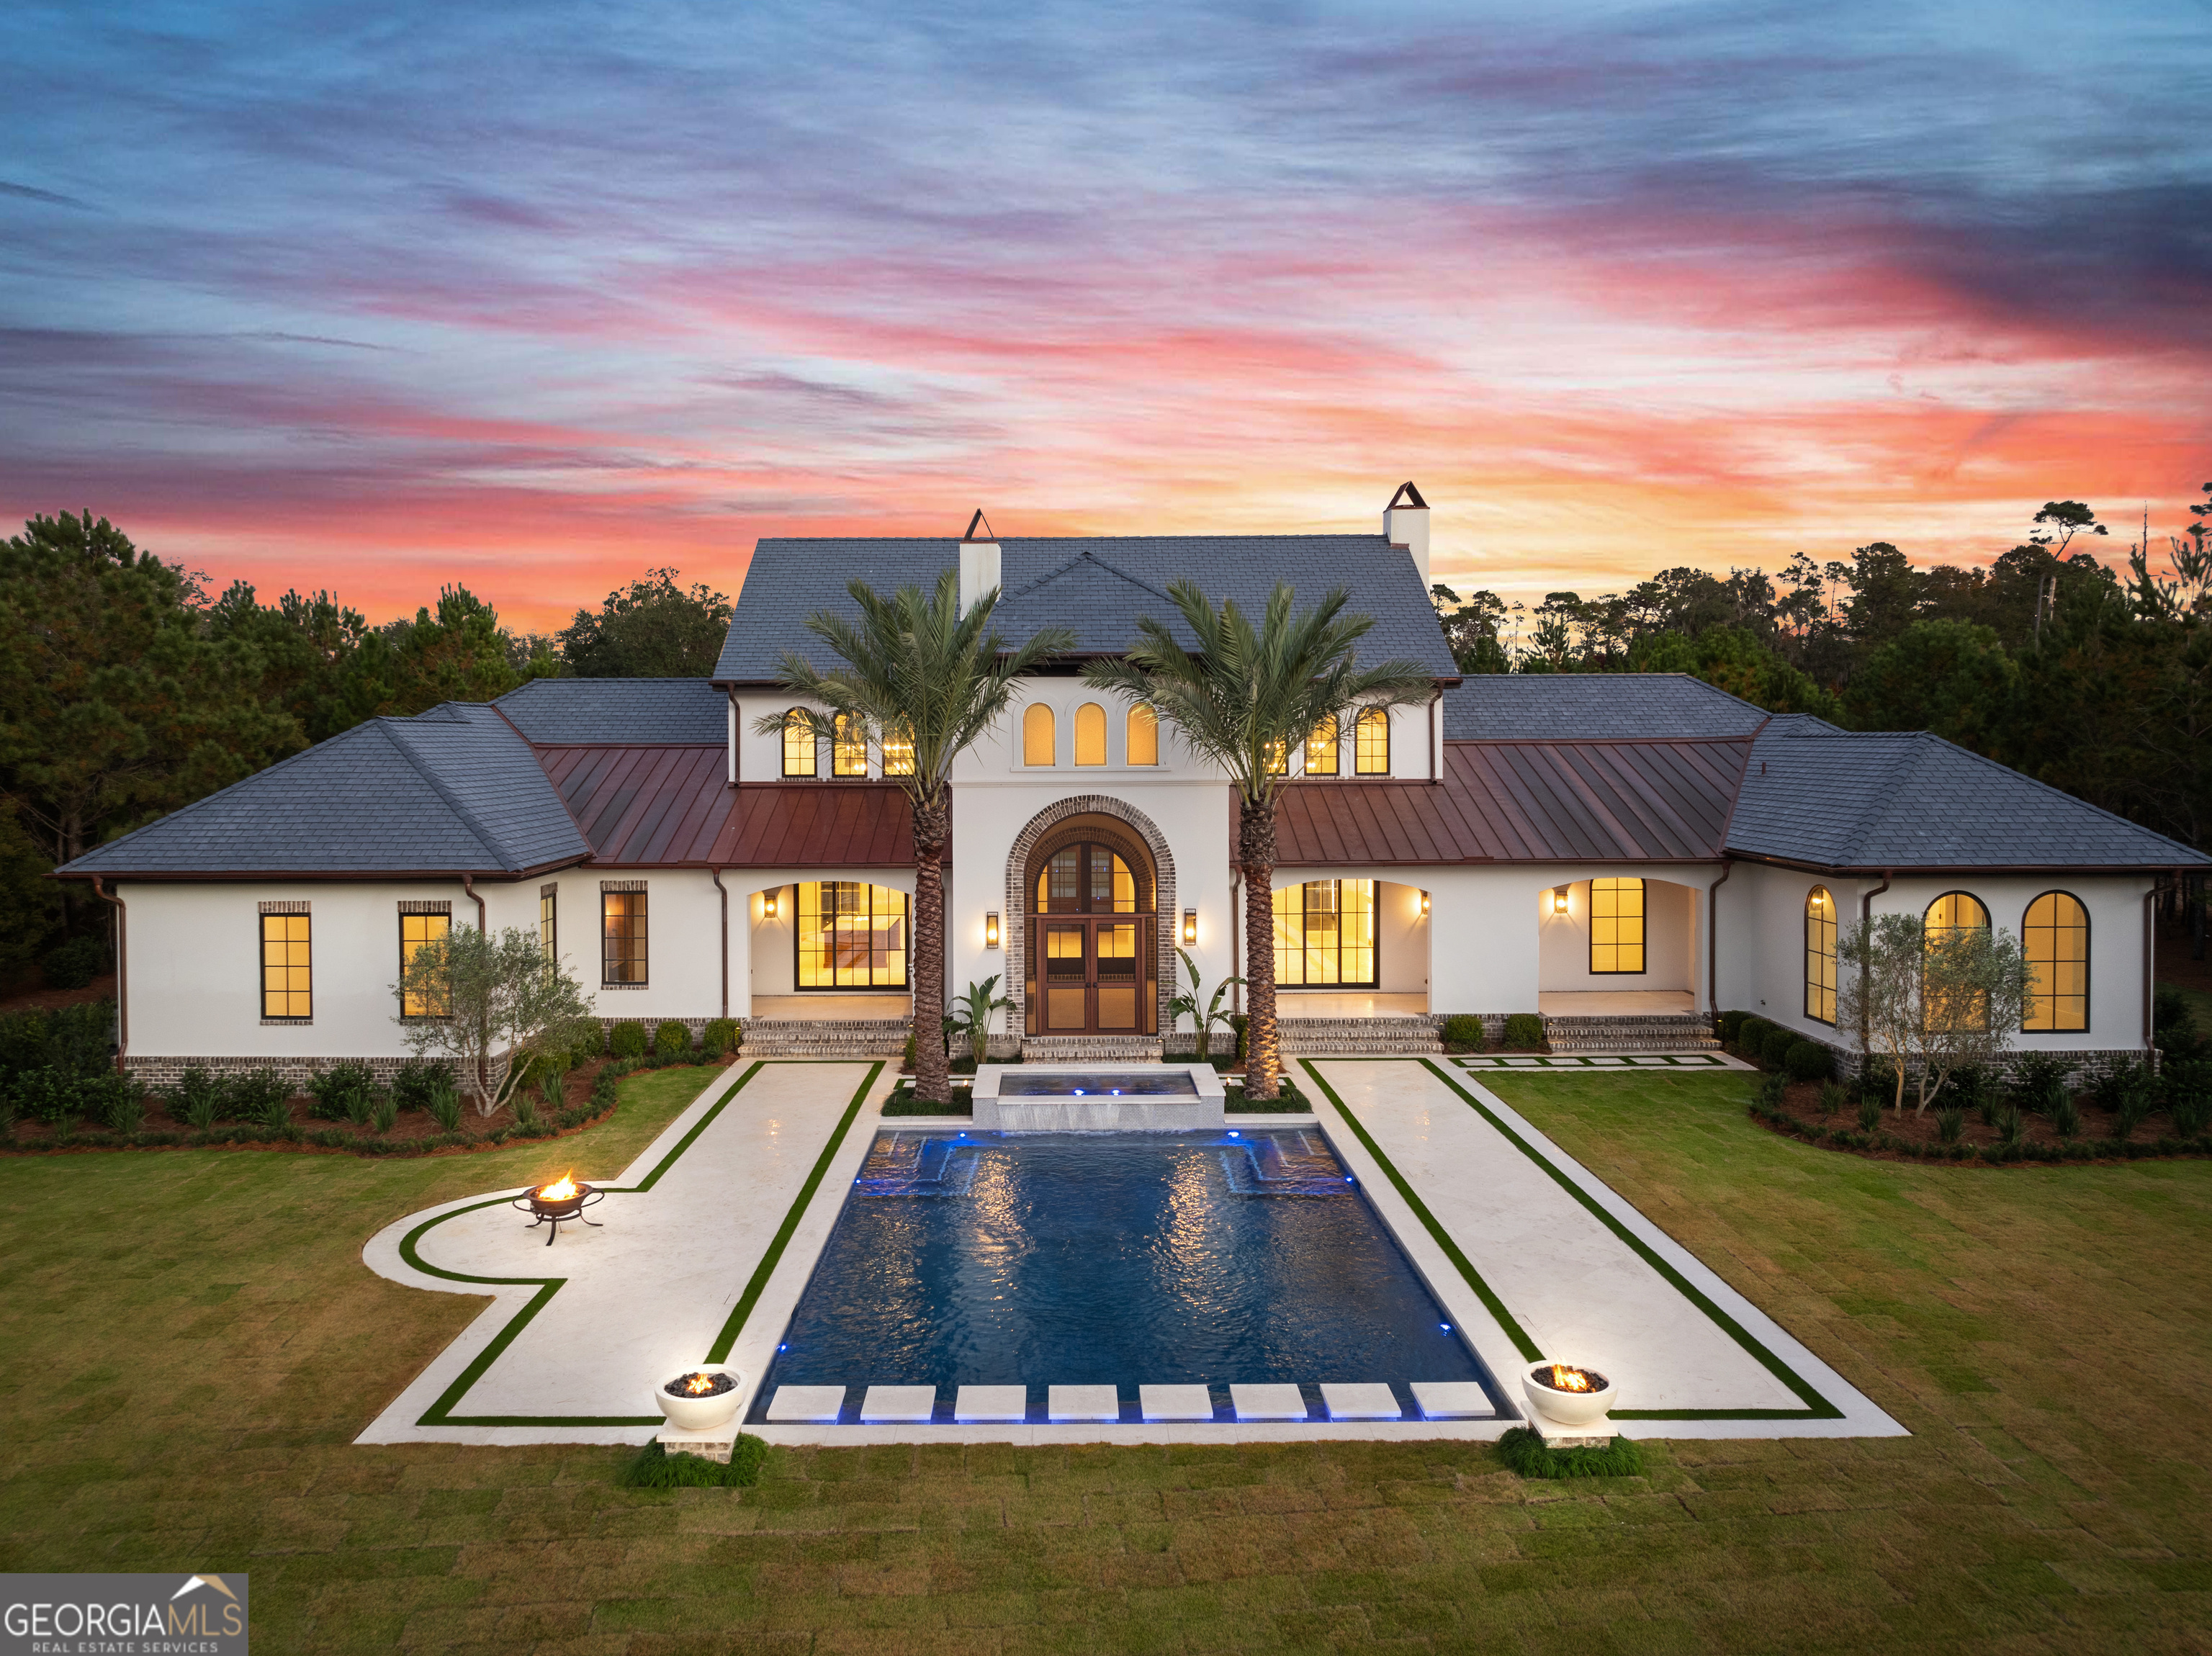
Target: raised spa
{"x": 1153, "y": 1082}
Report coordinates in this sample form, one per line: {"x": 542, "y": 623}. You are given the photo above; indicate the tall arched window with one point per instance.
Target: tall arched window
{"x": 1091, "y": 734}
{"x": 2056, "y": 932}
{"x": 798, "y": 744}
{"x": 849, "y": 746}
{"x": 1321, "y": 749}
{"x": 1144, "y": 735}
{"x": 1954, "y": 912}
{"x": 1821, "y": 956}
{"x": 1039, "y": 740}
{"x": 1371, "y": 744}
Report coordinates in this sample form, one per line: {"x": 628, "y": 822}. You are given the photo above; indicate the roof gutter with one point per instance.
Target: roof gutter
{"x": 1866, "y": 918}
{"x": 122, "y": 970}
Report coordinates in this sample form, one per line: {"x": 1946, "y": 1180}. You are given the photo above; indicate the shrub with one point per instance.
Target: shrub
{"x": 126, "y": 1109}
{"x": 75, "y": 963}
{"x": 260, "y": 1096}
{"x": 672, "y": 1040}
{"x": 525, "y": 1110}
{"x": 718, "y": 1037}
{"x": 1870, "y": 1113}
{"x": 655, "y": 1468}
{"x": 1833, "y": 1097}
{"x": 79, "y": 1039}
{"x": 1732, "y": 1025}
{"x": 1809, "y": 1060}
{"x": 444, "y": 1105}
{"x": 1462, "y": 1032}
{"x": 384, "y": 1112}
{"x": 1774, "y": 1046}
{"x": 1950, "y": 1122}
{"x": 1524, "y": 1030}
{"x": 195, "y": 1101}
{"x": 2066, "y": 1116}
{"x": 2128, "y": 1114}
{"x": 1751, "y": 1031}
{"x": 627, "y": 1039}
{"x": 2188, "y": 1113}
{"x": 1523, "y": 1449}
{"x": 591, "y": 1043}
{"x": 2009, "y": 1126}
{"x": 1237, "y": 1022}
{"x": 2038, "y": 1082}
{"x": 340, "y": 1092}
{"x": 416, "y": 1084}
{"x": 1968, "y": 1085}
{"x": 2174, "y": 1025}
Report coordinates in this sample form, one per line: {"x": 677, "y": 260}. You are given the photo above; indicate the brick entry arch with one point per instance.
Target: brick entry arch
{"x": 1016, "y": 909}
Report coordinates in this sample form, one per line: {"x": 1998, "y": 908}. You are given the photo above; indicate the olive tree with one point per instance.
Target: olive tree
{"x": 491, "y": 1003}
{"x": 1931, "y": 1000}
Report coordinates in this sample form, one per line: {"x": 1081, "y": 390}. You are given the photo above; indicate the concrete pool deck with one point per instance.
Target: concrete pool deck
{"x": 710, "y": 1237}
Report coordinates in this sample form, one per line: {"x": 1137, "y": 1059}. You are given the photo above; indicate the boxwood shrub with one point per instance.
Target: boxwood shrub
{"x": 627, "y": 1039}
{"x": 1524, "y": 1029}
{"x": 671, "y": 1038}
{"x": 718, "y": 1037}
{"x": 1809, "y": 1060}
{"x": 1774, "y": 1044}
{"x": 1732, "y": 1027}
{"x": 1463, "y": 1032}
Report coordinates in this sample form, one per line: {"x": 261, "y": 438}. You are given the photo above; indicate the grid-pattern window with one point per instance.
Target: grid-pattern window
{"x": 1371, "y": 743}
{"x": 1321, "y": 749}
{"x": 1144, "y": 735}
{"x": 851, "y": 935}
{"x": 1953, "y": 912}
{"x": 1278, "y": 759}
{"x": 548, "y": 921}
{"x": 1616, "y": 926}
{"x": 1085, "y": 877}
{"x": 1325, "y": 933}
{"x": 799, "y": 759}
{"x": 288, "y": 989}
{"x": 1039, "y": 739}
{"x": 2056, "y": 932}
{"x": 1821, "y": 956}
{"x": 1091, "y": 734}
{"x": 622, "y": 936}
{"x": 849, "y": 746}
{"x": 898, "y": 752}
{"x": 415, "y": 930}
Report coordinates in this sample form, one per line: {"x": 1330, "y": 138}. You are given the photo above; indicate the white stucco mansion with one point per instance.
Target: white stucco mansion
{"x": 1597, "y": 848}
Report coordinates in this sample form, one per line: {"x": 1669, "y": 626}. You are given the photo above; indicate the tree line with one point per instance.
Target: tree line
{"x": 2093, "y": 678}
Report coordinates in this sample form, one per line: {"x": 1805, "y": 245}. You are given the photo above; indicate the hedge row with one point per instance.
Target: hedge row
{"x": 2097, "y": 1149}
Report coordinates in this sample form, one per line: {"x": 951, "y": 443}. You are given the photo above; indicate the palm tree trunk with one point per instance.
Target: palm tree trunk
{"x": 1262, "y": 1042}
{"x": 933, "y": 1073}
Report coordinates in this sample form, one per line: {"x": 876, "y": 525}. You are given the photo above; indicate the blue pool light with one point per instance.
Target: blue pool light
{"x": 1079, "y": 1092}
{"x": 1233, "y": 1133}
{"x": 1445, "y": 1327}
{"x": 786, "y": 1346}
{"x": 1117, "y": 1092}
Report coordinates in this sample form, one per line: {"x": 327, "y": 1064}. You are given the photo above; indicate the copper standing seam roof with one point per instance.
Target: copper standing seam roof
{"x": 1647, "y": 801}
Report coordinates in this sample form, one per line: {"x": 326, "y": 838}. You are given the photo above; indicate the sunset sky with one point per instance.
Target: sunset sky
{"x": 371, "y": 296}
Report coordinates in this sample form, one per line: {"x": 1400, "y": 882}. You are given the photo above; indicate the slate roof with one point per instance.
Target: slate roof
{"x": 1632, "y": 706}
{"x": 1902, "y": 800}
{"x": 633, "y": 710}
{"x": 1526, "y": 802}
{"x": 1097, "y": 585}
{"x": 452, "y": 790}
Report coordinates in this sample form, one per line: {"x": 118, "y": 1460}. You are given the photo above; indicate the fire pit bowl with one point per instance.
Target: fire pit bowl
{"x": 559, "y": 1200}
{"x": 689, "y": 1409}
{"x": 1554, "y": 1392}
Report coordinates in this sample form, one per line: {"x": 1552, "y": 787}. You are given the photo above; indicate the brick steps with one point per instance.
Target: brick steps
{"x": 1660, "y": 1032}
{"x": 1358, "y": 1037}
{"x": 824, "y": 1037}
{"x": 1090, "y": 1049}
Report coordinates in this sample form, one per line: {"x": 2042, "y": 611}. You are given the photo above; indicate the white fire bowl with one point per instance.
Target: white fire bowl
{"x": 1568, "y": 1408}
{"x": 700, "y": 1414}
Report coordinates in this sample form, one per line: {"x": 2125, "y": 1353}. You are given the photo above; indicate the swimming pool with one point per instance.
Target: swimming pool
{"x": 1126, "y": 1260}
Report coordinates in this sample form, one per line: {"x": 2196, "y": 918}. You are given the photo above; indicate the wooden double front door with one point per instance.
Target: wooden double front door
{"x": 1092, "y": 944}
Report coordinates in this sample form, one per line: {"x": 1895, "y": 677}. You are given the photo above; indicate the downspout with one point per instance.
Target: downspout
{"x": 122, "y": 970}
{"x": 1866, "y": 918}
{"x": 483, "y": 1078}
{"x": 2150, "y": 958}
{"x": 1713, "y": 943}
{"x": 724, "y": 890}
{"x": 1436, "y": 701}
{"x": 468, "y": 885}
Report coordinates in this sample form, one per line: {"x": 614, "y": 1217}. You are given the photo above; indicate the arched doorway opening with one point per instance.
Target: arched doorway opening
{"x": 1091, "y": 910}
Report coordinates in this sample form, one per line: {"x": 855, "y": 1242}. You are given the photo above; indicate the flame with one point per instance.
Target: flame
{"x": 699, "y": 1385}
{"x": 1568, "y": 1380}
{"x": 563, "y": 1189}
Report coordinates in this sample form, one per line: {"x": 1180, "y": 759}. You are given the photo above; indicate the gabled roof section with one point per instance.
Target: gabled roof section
{"x": 1098, "y": 585}
{"x": 454, "y": 791}
{"x": 630, "y": 710}
{"x": 1628, "y": 706}
{"x": 1902, "y": 800}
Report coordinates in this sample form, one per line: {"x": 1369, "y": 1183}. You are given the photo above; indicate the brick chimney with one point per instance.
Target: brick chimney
{"x": 979, "y": 560}
{"x": 1406, "y": 523}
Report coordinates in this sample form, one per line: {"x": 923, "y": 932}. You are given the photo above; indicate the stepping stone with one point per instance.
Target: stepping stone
{"x": 1452, "y": 1400}
{"x": 887, "y": 1404}
{"x": 1279, "y": 1401}
{"x": 992, "y": 1403}
{"x": 1176, "y": 1402}
{"x": 796, "y": 1403}
{"x": 1360, "y": 1400}
{"x": 1084, "y": 1403}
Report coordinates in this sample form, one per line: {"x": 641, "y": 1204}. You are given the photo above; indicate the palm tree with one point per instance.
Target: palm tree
{"x": 933, "y": 680}
{"x": 1246, "y": 700}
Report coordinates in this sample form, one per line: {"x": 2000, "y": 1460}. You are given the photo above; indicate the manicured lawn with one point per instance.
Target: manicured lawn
{"x": 189, "y": 1342}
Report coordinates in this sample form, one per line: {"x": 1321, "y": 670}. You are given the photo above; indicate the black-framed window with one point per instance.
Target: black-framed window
{"x": 1320, "y": 748}
{"x": 622, "y": 938}
{"x": 2055, "y": 933}
{"x": 288, "y": 967}
{"x": 1371, "y": 743}
{"x": 1616, "y": 946}
{"x": 548, "y": 921}
{"x": 851, "y": 934}
{"x": 1325, "y": 934}
{"x": 1821, "y": 956}
{"x": 798, "y": 757}
{"x": 1953, "y": 912}
{"x": 421, "y": 923}
{"x": 1086, "y": 878}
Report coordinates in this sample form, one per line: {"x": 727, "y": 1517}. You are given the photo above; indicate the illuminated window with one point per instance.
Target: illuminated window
{"x": 849, "y": 746}
{"x": 1321, "y": 749}
{"x": 898, "y": 752}
{"x": 2056, "y": 935}
{"x": 1616, "y": 926}
{"x": 1091, "y": 734}
{"x": 798, "y": 744}
{"x": 1039, "y": 739}
{"x": 851, "y": 935}
{"x": 1371, "y": 743}
{"x": 415, "y": 930}
{"x": 287, "y": 970}
{"x": 1278, "y": 759}
{"x": 622, "y": 936}
{"x": 548, "y": 921}
{"x": 1325, "y": 933}
{"x": 1085, "y": 879}
{"x": 1953, "y": 912}
{"x": 1821, "y": 956}
{"x": 1144, "y": 736}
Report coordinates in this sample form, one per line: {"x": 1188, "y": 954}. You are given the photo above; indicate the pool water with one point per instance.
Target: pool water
{"x": 1122, "y": 1258}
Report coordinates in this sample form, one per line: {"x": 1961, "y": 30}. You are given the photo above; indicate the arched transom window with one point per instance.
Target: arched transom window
{"x": 1821, "y": 956}
{"x": 1953, "y": 912}
{"x": 1039, "y": 738}
{"x": 1091, "y": 734}
{"x": 1144, "y": 735}
{"x": 2056, "y": 932}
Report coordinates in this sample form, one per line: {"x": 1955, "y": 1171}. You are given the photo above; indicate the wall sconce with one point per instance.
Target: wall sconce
{"x": 1190, "y": 927}
{"x": 1559, "y": 900}
{"x": 991, "y": 929}
{"x": 767, "y": 904}
{"x": 1424, "y": 904}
